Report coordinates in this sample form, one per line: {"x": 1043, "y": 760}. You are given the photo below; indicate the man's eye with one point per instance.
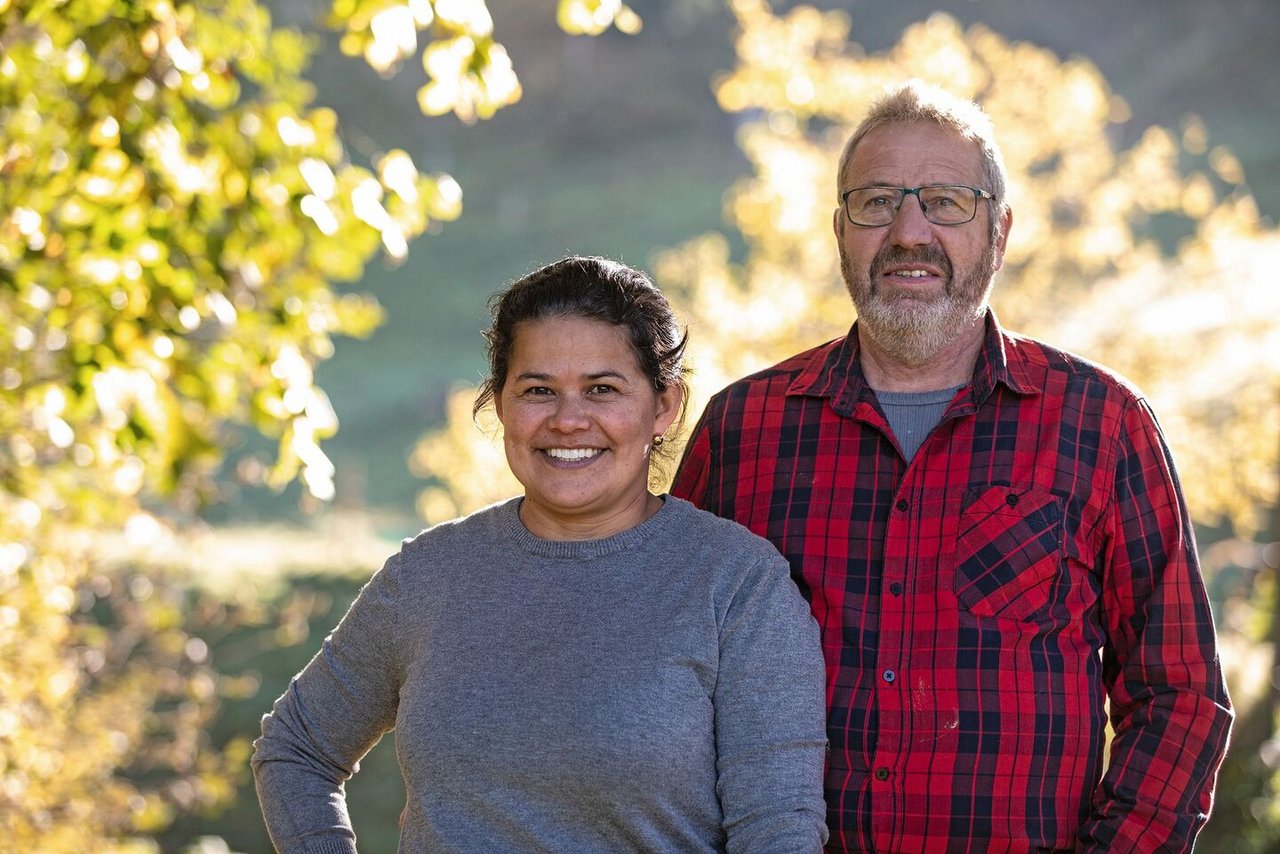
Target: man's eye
{"x": 878, "y": 201}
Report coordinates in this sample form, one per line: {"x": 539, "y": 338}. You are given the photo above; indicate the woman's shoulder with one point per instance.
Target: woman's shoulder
{"x": 717, "y": 533}
{"x": 469, "y": 533}
{"x": 736, "y": 566}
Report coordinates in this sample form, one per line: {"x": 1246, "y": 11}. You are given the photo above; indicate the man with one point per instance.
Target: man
{"x": 990, "y": 533}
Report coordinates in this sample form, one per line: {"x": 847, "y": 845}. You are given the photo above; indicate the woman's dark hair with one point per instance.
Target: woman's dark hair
{"x": 594, "y": 289}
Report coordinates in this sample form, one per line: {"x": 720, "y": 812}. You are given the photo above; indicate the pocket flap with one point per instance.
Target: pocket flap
{"x": 1008, "y": 551}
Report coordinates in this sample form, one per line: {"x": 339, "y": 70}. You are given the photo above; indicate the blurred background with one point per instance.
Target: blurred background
{"x": 245, "y": 254}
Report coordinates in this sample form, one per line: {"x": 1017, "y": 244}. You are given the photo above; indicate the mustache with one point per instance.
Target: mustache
{"x": 891, "y": 255}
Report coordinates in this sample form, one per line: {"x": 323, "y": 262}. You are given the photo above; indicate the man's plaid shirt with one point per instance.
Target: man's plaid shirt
{"x": 980, "y": 605}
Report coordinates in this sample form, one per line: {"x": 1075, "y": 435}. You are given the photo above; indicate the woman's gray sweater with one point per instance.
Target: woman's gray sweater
{"x": 658, "y": 690}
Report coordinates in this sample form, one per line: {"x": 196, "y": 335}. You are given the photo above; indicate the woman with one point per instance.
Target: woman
{"x": 589, "y": 667}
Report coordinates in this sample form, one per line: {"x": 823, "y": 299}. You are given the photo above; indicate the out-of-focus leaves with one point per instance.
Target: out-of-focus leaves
{"x": 469, "y": 73}
{"x": 1152, "y": 260}
{"x": 592, "y": 17}
{"x": 169, "y": 238}
{"x": 438, "y": 456}
{"x": 174, "y": 213}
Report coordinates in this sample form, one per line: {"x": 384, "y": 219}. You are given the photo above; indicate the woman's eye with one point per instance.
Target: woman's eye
{"x": 536, "y": 391}
{"x": 600, "y": 388}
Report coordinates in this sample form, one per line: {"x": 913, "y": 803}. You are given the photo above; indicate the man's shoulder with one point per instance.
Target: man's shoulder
{"x": 1048, "y": 368}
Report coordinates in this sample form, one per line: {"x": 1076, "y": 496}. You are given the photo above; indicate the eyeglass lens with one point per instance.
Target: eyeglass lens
{"x": 945, "y": 205}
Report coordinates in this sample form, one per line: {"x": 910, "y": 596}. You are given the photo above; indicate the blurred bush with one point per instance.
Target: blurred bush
{"x": 175, "y": 217}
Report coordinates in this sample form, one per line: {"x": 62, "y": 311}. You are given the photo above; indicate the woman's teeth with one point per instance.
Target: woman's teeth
{"x": 572, "y": 453}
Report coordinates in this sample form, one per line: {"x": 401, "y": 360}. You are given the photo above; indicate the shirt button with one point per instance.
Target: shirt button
{"x": 903, "y": 505}
{"x": 895, "y": 588}
{"x": 1011, "y": 500}
{"x": 889, "y": 676}
{"x": 882, "y": 773}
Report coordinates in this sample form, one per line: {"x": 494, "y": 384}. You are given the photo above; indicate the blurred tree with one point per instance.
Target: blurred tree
{"x": 1152, "y": 260}
{"x": 174, "y": 214}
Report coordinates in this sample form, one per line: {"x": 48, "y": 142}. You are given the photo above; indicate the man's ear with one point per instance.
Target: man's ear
{"x": 1006, "y": 222}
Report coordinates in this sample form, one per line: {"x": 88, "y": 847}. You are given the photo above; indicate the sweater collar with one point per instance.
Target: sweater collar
{"x": 514, "y": 530}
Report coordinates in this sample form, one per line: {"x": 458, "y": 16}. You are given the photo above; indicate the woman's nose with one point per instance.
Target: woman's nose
{"x": 570, "y": 414}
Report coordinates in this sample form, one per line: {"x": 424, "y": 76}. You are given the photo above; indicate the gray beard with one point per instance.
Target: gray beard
{"x": 910, "y": 328}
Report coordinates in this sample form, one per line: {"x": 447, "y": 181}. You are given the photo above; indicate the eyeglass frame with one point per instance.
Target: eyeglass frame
{"x": 978, "y": 193}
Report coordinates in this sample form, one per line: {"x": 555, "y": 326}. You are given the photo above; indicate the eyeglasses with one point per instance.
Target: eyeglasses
{"x": 942, "y": 204}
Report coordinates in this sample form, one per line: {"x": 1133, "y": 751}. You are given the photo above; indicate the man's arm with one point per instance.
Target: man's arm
{"x": 1169, "y": 704}
{"x": 691, "y": 477}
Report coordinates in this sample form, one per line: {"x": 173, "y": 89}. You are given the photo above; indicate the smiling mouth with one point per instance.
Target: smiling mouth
{"x": 572, "y": 455}
{"x": 926, "y": 262}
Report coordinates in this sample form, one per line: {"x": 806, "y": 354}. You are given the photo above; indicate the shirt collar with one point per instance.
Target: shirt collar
{"x": 834, "y": 370}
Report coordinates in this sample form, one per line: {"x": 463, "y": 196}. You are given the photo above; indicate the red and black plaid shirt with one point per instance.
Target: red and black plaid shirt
{"x": 979, "y": 605}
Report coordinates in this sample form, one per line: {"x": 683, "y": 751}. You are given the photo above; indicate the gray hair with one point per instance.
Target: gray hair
{"x": 917, "y": 101}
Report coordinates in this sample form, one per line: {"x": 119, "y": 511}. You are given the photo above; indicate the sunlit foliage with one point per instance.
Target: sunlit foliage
{"x": 468, "y": 72}
{"x": 439, "y": 457}
{"x": 592, "y": 17}
{"x": 1151, "y": 259}
{"x": 175, "y": 213}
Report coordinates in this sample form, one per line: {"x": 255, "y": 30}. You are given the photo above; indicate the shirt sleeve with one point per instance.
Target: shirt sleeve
{"x": 770, "y": 718}
{"x": 1169, "y": 704}
{"x": 690, "y": 482}
{"x": 331, "y": 715}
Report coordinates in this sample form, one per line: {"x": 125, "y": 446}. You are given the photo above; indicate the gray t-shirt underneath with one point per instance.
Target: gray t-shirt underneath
{"x": 658, "y": 690}
{"x": 912, "y": 415}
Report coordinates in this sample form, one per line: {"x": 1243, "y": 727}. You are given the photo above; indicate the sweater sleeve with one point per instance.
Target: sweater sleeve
{"x": 331, "y": 715}
{"x": 770, "y": 726}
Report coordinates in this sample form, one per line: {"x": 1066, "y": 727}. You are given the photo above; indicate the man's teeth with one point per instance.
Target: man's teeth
{"x": 572, "y": 453}
{"x": 915, "y": 274}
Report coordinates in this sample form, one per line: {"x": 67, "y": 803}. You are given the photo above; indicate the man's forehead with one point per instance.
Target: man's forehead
{"x": 915, "y": 151}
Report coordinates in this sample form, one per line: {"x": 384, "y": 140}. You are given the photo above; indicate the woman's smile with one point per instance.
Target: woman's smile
{"x": 573, "y": 455}
{"x": 579, "y": 416}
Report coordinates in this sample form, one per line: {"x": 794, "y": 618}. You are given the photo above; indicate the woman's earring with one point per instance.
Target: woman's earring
{"x": 657, "y": 441}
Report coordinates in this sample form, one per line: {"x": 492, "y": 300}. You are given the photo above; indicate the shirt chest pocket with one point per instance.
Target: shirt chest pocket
{"x": 1009, "y": 552}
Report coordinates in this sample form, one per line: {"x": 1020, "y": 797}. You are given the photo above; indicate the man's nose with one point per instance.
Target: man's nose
{"x": 909, "y": 226}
